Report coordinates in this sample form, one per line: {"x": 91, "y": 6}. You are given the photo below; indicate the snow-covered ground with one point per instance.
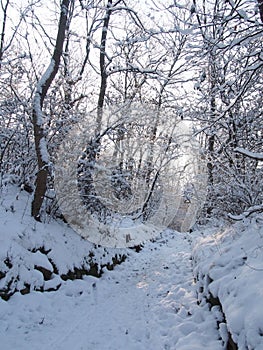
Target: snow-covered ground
{"x": 147, "y": 302}
{"x": 229, "y": 264}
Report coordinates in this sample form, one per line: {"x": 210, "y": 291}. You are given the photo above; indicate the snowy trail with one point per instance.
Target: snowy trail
{"x": 148, "y": 302}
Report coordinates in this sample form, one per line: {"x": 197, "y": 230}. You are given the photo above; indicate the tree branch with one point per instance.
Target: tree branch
{"x": 253, "y": 155}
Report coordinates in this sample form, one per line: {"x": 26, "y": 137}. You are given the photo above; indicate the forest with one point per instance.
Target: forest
{"x": 130, "y": 73}
{"x": 137, "y": 125}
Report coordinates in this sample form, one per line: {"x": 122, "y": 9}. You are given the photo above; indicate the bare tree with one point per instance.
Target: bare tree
{"x": 38, "y": 123}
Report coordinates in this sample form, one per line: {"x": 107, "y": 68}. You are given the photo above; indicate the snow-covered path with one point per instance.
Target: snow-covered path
{"x": 148, "y": 302}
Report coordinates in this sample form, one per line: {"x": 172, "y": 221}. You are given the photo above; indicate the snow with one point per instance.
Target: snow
{"x": 232, "y": 258}
{"x": 43, "y": 150}
{"x": 37, "y": 108}
{"x": 243, "y": 14}
{"x": 41, "y": 83}
{"x": 255, "y": 155}
{"x": 46, "y": 75}
{"x": 246, "y": 213}
{"x": 147, "y": 302}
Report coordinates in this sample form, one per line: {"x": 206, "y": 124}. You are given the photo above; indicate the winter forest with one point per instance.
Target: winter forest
{"x": 131, "y": 174}
{"x": 197, "y": 61}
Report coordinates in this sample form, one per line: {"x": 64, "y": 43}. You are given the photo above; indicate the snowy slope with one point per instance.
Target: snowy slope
{"x": 34, "y": 256}
{"x": 229, "y": 266}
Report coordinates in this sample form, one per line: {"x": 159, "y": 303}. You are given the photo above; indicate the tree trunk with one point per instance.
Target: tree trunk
{"x": 260, "y": 6}
{"x": 103, "y": 73}
{"x": 2, "y": 40}
{"x": 37, "y": 118}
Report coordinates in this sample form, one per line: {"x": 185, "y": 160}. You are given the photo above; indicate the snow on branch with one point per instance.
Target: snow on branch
{"x": 253, "y": 155}
{"x": 38, "y": 99}
{"x": 246, "y": 213}
{"x": 46, "y": 76}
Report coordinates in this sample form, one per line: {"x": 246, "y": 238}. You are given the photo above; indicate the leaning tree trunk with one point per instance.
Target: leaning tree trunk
{"x": 37, "y": 119}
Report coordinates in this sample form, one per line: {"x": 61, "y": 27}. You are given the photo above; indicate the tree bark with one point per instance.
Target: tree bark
{"x": 37, "y": 118}
{"x": 2, "y": 40}
{"x": 260, "y": 6}
{"x": 103, "y": 73}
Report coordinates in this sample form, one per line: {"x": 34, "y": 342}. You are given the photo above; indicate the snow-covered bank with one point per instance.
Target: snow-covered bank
{"x": 39, "y": 256}
{"x": 229, "y": 267}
